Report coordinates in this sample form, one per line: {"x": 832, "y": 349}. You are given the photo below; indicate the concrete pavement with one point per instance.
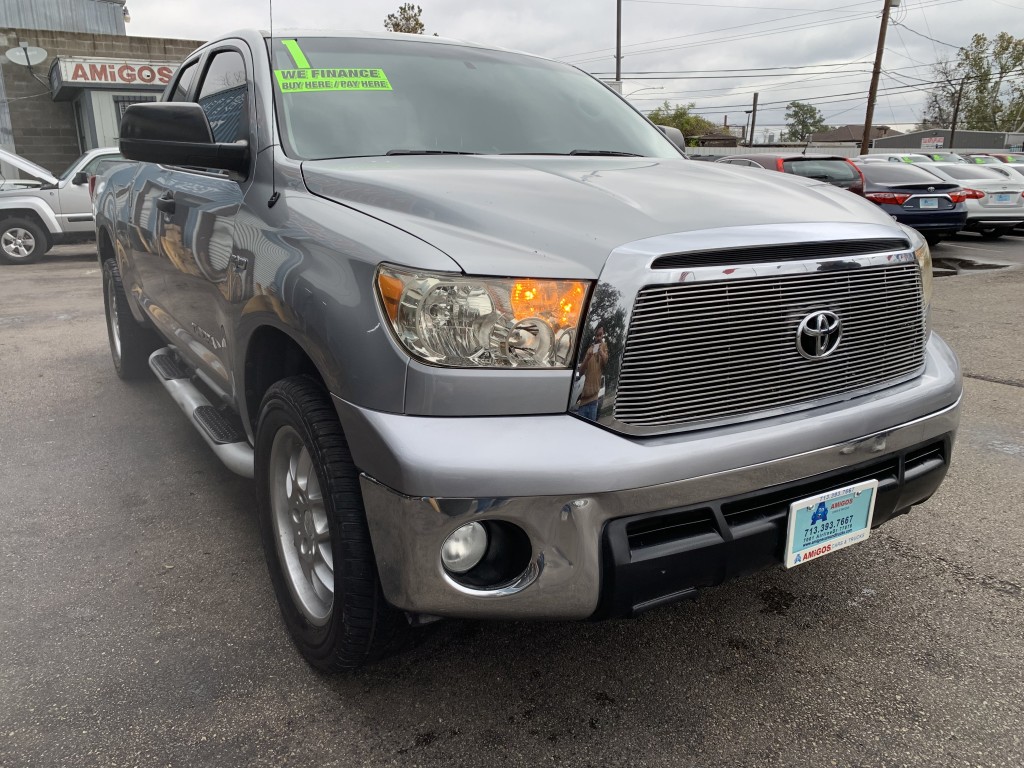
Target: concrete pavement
{"x": 138, "y": 627}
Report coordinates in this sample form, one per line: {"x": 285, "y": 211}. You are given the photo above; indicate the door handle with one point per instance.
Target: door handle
{"x": 166, "y": 202}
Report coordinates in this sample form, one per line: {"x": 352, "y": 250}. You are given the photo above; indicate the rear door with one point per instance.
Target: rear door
{"x": 189, "y": 219}
{"x": 198, "y": 232}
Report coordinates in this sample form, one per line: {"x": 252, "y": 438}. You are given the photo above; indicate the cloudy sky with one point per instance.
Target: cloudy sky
{"x": 719, "y": 52}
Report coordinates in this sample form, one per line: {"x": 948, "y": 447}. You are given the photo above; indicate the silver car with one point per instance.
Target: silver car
{"x": 489, "y": 346}
{"x": 995, "y": 203}
{"x": 43, "y": 210}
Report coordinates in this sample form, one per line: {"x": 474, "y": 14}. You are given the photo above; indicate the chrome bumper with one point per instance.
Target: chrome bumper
{"x": 423, "y": 478}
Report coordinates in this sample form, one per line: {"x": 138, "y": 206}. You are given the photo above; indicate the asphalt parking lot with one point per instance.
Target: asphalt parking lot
{"x": 138, "y": 626}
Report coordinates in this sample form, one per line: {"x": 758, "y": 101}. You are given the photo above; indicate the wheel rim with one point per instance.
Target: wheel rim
{"x": 115, "y": 331}
{"x": 18, "y": 243}
{"x": 301, "y": 528}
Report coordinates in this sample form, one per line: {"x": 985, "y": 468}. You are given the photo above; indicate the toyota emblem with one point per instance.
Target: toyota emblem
{"x": 818, "y": 335}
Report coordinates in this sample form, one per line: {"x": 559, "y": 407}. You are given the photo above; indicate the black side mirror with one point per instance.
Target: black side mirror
{"x": 177, "y": 133}
{"x": 80, "y": 178}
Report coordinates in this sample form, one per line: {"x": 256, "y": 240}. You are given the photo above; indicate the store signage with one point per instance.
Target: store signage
{"x": 933, "y": 142}
{"x": 75, "y": 72}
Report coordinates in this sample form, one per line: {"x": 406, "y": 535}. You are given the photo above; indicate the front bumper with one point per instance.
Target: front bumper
{"x": 423, "y": 478}
{"x": 982, "y": 220}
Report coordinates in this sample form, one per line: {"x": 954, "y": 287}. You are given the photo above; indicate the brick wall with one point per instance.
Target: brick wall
{"x": 43, "y": 129}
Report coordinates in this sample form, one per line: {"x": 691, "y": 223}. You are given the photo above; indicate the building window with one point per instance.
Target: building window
{"x": 121, "y": 103}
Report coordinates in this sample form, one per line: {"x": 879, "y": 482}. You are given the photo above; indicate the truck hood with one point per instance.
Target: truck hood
{"x": 27, "y": 166}
{"x": 562, "y": 216}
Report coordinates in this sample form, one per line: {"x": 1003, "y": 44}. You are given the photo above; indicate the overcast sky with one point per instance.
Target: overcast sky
{"x": 821, "y": 50}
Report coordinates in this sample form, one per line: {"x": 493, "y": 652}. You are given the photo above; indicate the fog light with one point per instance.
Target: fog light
{"x": 464, "y": 548}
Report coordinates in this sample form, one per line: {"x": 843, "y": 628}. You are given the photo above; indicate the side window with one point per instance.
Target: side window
{"x": 185, "y": 77}
{"x": 223, "y": 96}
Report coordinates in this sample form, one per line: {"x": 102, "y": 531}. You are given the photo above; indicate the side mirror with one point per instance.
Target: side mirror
{"x": 80, "y": 178}
{"x": 177, "y": 133}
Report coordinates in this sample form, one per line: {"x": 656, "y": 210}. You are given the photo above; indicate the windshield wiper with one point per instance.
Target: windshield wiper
{"x": 428, "y": 152}
{"x": 606, "y": 152}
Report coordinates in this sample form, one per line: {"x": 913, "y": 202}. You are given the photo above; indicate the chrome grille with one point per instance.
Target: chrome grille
{"x": 709, "y": 351}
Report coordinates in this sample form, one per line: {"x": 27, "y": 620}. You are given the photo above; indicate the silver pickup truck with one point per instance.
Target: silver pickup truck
{"x": 491, "y": 347}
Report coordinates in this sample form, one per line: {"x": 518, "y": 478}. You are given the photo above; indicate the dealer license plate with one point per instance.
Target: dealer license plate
{"x": 1004, "y": 198}
{"x": 819, "y": 525}
{"x": 929, "y": 202}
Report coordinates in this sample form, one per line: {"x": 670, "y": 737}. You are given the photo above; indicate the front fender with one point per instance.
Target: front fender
{"x": 9, "y": 206}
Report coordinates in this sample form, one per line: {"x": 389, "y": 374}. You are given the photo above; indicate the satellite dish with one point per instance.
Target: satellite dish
{"x": 27, "y": 56}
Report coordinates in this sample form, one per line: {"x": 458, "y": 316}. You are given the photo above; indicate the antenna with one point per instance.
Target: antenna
{"x": 274, "y": 194}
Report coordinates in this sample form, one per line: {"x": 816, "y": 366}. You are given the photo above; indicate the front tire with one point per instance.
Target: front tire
{"x": 315, "y": 535}
{"x": 130, "y": 343}
{"x": 22, "y": 241}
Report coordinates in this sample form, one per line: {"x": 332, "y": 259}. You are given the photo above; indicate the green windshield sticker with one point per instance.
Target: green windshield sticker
{"x": 306, "y": 80}
{"x": 297, "y": 55}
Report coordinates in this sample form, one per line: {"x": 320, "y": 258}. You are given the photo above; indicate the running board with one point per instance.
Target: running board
{"x": 224, "y": 439}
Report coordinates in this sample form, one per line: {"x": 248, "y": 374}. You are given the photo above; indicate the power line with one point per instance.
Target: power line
{"x": 710, "y": 31}
{"x": 716, "y": 5}
{"x": 744, "y": 36}
{"x": 926, "y": 36}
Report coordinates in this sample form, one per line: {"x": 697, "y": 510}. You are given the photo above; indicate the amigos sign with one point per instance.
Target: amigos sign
{"x": 74, "y": 72}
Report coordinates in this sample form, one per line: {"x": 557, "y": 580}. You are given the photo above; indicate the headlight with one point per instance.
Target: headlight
{"x": 483, "y": 322}
{"x": 923, "y": 254}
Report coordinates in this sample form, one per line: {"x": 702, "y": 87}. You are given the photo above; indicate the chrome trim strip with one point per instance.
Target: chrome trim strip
{"x": 629, "y": 269}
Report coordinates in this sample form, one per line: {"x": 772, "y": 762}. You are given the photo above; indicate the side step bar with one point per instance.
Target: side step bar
{"x": 231, "y": 447}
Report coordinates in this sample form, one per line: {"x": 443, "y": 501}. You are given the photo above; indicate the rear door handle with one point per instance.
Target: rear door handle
{"x": 166, "y": 202}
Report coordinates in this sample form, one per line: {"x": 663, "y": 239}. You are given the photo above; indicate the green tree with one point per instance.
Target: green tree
{"x": 679, "y": 116}
{"x": 406, "y": 20}
{"x": 986, "y": 77}
{"x": 802, "y": 120}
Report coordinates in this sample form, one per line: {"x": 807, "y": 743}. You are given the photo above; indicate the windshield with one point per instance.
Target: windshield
{"x": 884, "y": 173}
{"x": 352, "y": 97}
{"x": 966, "y": 172}
{"x": 826, "y": 170}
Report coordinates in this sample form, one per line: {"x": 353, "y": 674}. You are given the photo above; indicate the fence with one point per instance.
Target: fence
{"x": 821, "y": 149}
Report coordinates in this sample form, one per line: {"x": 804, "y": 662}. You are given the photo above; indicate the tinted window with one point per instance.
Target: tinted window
{"x": 223, "y": 97}
{"x": 885, "y": 173}
{"x": 180, "y": 92}
{"x": 95, "y": 166}
{"x": 965, "y": 171}
{"x": 825, "y": 170}
{"x": 358, "y": 97}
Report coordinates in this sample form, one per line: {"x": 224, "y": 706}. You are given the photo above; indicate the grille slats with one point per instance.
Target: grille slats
{"x": 707, "y": 351}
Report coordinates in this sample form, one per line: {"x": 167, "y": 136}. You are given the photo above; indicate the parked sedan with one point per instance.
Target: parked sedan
{"x": 893, "y": 157}
{"x": 834, "y": 169}
{"x": 995, "y": 204}
{"x": 917, "y": 198}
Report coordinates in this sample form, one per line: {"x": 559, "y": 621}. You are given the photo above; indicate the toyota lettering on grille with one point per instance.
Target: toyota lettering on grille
{"x": 818, "y": 335}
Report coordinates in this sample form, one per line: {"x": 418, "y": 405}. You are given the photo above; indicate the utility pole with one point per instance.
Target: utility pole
{"x": 753, "y": 120}
{"x": 865, "y": 144}
{"x": 956, "y": 112}
{"x": 618, "y": 40}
